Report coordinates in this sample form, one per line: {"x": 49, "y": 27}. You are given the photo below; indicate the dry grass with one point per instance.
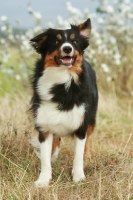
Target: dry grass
{"x": 109, "y": 176}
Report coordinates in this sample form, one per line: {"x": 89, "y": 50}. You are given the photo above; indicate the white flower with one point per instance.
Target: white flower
{"x": 25, "y": 45}
{"x": 60, "y": 20}
{"x": 92, "y": 51}
{"x": 23, "y": 37}
{"x": 100, "y": 21}
{"x": 17, "y": 37}
{"x": 2, "y": 41}
{"x": 18, "y": 77}
{"x": 112, "y": 40}
{"x": 92, "y": 15}
{"x": 3, "y": 28}
{"x": 109, "y": 79}
{"x": 11, "y": 37}
{"x": 105, "y": 68}
{"x": 95, "y": 33}
{"x": 117, "y": 56}
{"x": 127, "y": 1}
{"x": 73, "y": 10}
{"x": 37, "y": 15}
{"x": 30, "y": 10}
{"x": 66, "y": 25}
{"x": 105, "y": 51}
{"x": 125, "y": 8}
{"x": 130, "y": 15}
{"x": 50, "y": 24}
{"x": 37, "y": 29}
{"x": 3, "y": 18}
{"x": 86, "y": 10}
{"x": 21, "y": 65}
{"x": 29, "y": 33}
{"x": 6, "y": 57}
{"x": 117, "y": 62}
{"x": 10, "y": 71}
{"x": 98, "y": 41}
{"x": 110, "y": 9}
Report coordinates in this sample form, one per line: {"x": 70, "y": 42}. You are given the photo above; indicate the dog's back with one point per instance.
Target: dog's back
{"x": 65, "y": 95}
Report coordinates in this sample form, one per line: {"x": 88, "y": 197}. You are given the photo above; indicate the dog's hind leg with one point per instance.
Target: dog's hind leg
{"x": 87, "y": 153}
{"x": 55, "y": 148}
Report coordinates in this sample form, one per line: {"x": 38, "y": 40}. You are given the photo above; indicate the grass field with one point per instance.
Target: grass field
{"x": 109, "y": 176}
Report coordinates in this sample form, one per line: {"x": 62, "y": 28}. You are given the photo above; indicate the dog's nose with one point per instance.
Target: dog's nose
{"x": 67, "y": 49}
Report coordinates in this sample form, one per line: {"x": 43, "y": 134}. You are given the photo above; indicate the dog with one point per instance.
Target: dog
{"x": 65, "y": 96}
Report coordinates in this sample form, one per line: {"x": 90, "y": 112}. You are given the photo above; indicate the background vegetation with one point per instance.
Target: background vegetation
{"x": 110, "y": 173}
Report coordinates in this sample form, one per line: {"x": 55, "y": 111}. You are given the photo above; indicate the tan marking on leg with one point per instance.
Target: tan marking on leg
{"x": 87, "y": 153}
{"x": 56, "y": 143}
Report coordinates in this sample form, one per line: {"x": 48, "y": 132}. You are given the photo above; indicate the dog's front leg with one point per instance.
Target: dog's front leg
{"x": 45, "y": 155}
{"x": 78, "y": 163}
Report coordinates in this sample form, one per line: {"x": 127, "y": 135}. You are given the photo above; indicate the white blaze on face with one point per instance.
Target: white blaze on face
{"x": 66, "y": 44}
{"x": 67, "y": 57}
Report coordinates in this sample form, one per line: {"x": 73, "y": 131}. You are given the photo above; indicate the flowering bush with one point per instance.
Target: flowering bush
{"x": 111, "y": 43}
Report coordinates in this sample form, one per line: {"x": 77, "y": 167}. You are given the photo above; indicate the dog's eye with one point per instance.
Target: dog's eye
{"x": 74, "y": 42}
{"x": 57, "y": 42}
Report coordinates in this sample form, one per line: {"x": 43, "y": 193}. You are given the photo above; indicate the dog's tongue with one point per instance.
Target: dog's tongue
{"x": 66, "y": 60}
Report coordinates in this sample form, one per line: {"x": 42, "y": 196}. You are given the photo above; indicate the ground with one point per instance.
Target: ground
{"x": 109, "y": 175}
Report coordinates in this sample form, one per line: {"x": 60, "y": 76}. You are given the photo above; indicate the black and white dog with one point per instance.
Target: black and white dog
{"x": 65, "y": 96}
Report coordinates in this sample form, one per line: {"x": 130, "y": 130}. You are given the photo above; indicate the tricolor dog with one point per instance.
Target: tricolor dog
{"x": 65, "y": 96}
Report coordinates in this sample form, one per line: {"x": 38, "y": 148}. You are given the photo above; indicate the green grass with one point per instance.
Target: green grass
{"x": 15, "y": 74}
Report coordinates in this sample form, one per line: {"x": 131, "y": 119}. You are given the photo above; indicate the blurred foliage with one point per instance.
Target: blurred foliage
{"x": 110, "y": 51}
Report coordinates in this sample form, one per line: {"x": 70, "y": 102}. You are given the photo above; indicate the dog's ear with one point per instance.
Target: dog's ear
{"x": 85, "y": 28}
{"x": 37, "y": 41}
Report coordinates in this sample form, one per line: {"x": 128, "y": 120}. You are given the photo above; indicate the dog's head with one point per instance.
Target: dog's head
{"x": 63, "y": 47}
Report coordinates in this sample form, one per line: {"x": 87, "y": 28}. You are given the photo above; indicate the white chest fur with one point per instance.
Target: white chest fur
{"x": 51, "y": 76}
{"x": 48, "y": 116}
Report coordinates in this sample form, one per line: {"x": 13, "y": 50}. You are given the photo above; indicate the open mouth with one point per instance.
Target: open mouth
{"x": 66, "y": 60}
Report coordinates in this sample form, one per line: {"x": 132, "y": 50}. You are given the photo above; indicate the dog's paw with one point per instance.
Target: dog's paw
{"x": 40, "y": 183}
{"x": 78, "y": 175}
{"x": 43, "y": 180}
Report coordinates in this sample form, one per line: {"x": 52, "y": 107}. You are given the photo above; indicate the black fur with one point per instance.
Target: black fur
{"x": 84, "y": 92}
{"x": 35, "y": 101}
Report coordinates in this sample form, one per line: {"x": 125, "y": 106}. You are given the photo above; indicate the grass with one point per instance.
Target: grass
{"x": 108, "y": 177}
{"x": 15, "y": 73}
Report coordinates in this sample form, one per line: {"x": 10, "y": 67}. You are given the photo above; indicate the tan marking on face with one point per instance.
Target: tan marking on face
{"x": 74, "y": 42}
{"x": 50, "y": 60}
{"x": 59, "y": 37}
{"x": 41, "y": 41}
{"x": 76, "y": 69}
{"x": 72, "y": 36}
{"x": 56, "y": 143}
